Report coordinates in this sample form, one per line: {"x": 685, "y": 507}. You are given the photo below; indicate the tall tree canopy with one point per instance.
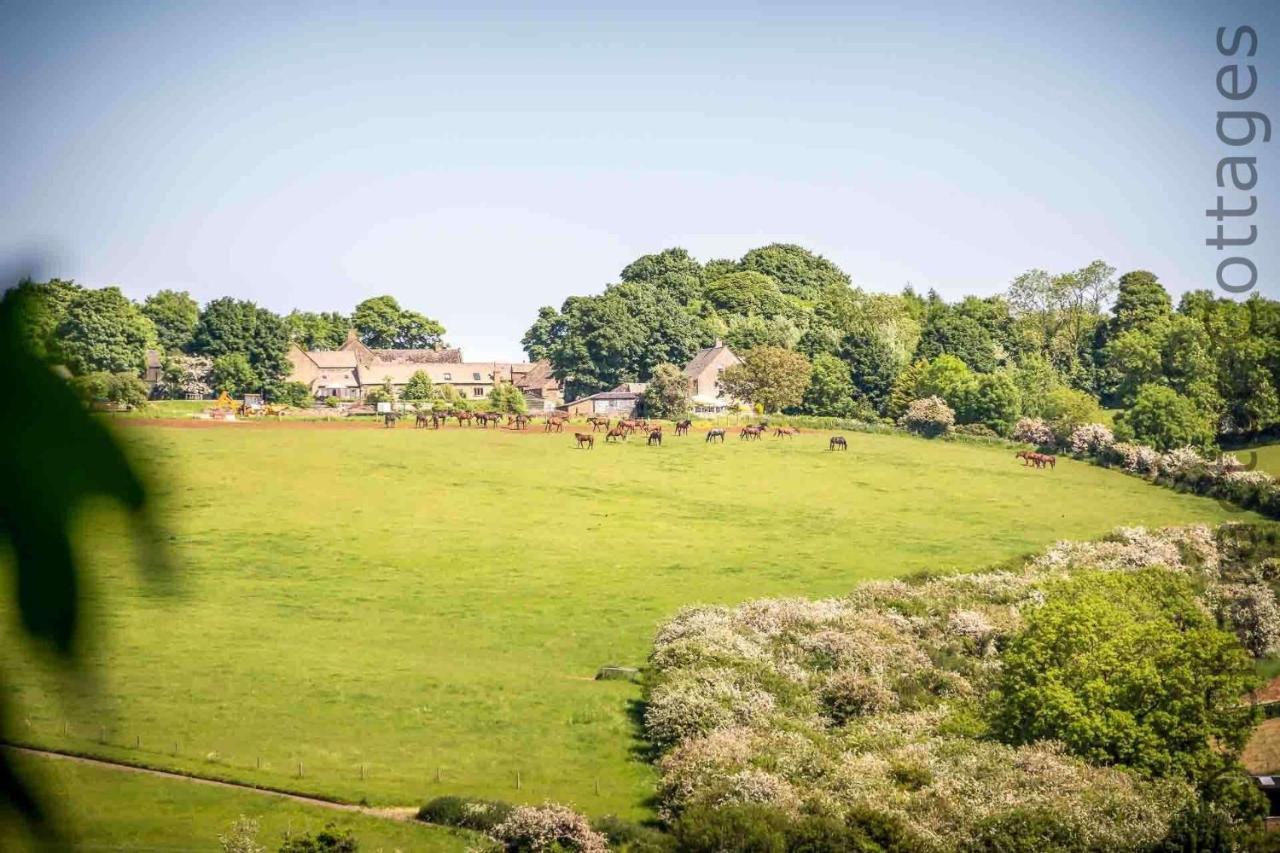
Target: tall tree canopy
{"x": 175, "y": 315}
{"x": 325, "y": 330}
{"x": 382, "y": 324}
{"x": 39, "y": 308}
{"x": 238, "y": 326}
{"x": 104, "y": 331}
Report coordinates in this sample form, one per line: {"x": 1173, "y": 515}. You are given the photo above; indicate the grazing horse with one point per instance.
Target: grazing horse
{"x": 389, "y": 420}
{"x": 483, "y": 419}
{"x": 463, "y": 416}
{"x": 554, "y": 424}
{"x": 838, "y": 441}
{"x": 420, "y": 421}
{"x": 713, "y": 434}
{"x": 585, "y": 439}
{"x": 629, "y": 426}
{"x": 682, "y": 427}
{"x": 751, "y": 433}
{"x": 655, "y": 437}
{"x": 438, "y": 418}
{"x": 521, "y": 421}
{"x": 598, "y": 423}
{"x": 615, "y": 434}
{"x": 785, "y": 432}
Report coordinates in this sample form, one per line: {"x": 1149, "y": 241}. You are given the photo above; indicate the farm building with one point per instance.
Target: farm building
{"x": 703, "y": 371}
{"x": 353, "y": 369}
{"x": 616, "y": 404}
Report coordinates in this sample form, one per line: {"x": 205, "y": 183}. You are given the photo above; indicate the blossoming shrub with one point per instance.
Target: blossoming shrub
{"x": 929, "y": 417}
{"x": 1034, "y": 431}
{"x": 549, "y": 827}
{"x": 1092, "y": 440}
{"x": 785, "y": 710}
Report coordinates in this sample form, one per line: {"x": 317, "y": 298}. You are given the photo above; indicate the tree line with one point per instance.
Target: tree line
{"x": 1055, "y": 345}
{"x": 228, "y": 344}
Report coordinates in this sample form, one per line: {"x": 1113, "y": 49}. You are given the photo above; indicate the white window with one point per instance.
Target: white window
{"x": 448, "y": 377}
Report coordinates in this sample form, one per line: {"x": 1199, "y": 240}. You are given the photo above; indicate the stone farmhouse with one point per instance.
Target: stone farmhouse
{"x": 703, "y": 372}
{"x": 353, "y": 369}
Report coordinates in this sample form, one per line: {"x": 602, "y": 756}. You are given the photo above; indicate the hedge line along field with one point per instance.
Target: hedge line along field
{"x": 104, "y": 809}
{"x": 391, "y": 615}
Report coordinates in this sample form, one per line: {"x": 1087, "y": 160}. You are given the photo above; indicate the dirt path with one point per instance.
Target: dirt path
{"x": 401, "y": 813}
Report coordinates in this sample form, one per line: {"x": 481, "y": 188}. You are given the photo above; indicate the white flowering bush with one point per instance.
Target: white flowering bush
{"x": 1092, "y": 440}
{"x": 930, "y": 416}
{"x": 1034, "y": 431}
{"x": 1137, "y": 458}
{"x": 827, "y": 707}
{"x": 549, "y": 827}
{"x": 1180, "y": 460}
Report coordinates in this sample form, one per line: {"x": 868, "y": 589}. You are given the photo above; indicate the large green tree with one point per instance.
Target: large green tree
{"x": 798, "y": 271}
{"x": 175, "y": 315}
{"x": 1127, "y": 668}
{"x": 672, "y": 271}
{"x": 831, "y": 391}
{"x": 746, "y": 292}
{"x": 238, "y": 326}
{"x": 771, "y": 377}
{"x": 382, "y": 324}
{"x": 103, "y": 331}
{"x": 325, "y": 330}
{"x": 40, "y": 308}
{"x": 1164, "y": 419}
{"x": 667, "y": 395}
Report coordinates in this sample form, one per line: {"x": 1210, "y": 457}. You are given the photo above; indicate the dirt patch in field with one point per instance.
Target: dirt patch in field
{"x": 1262, "y": 752}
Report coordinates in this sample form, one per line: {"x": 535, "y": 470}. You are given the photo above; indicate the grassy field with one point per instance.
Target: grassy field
{"x": 1268, "y": 458}
{"x": 105, "y": 809}
{"x": 394, "y": 614}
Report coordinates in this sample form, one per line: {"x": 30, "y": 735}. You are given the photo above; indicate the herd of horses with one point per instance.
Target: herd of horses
{"x": 624, "y": 427}
{"x": 1039, "y": 460}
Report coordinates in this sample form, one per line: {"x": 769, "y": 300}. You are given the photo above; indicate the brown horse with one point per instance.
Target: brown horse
{"x": 655, "y": 437}
{"x": 483, "y": 419}
{"x": 420, "y": 421}
{"x": 389, "y": 420}
{"x": 615, "y": 434}
{"x": 598, "y": 423}
{"x": 585, "y": 439}
{"x": 713, "y": 434}
{"x": 751, "y": 433}
{"x": 462, "y": 416}
{"x": 682, "y": 427}
{"x": 519, "y": 421}
{"x": 785, "y": 432}
{"x": 438, "y": 418}
{"x": 837, "y": 442}
{"x": 554, "y": 424}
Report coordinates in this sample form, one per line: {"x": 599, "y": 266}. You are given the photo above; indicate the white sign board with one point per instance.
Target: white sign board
{"x": 384, "y": 408}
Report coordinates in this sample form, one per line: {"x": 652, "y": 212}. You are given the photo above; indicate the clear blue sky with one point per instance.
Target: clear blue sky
{"x": 480, "y": 160}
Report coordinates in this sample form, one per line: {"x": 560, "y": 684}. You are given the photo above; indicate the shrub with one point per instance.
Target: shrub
{"x": 241, "y": 837}
{"x": 549, "y": 827}
{"x": 929, "y": 417}
{"x": 1066, "y": 409}
{"x": 332, "y": 402}
{"x": 748, "y": 829}
{"x": 1126, "y": 668}
{"x": 1092, "y": 440}
{"x": 1136, "y": 458}
{"x": 1165, "y": 419}
{"x": 295, "y": 394}
{"x": 1033, "y": 431}
{"x": 480, "y": 815}
{"x": 1023, "y": 830}
{"x": 977, "y": 430}
{"x": 631, "y": 836}
{"x": 327, "y": 840}
{"x": 374, "y": 396}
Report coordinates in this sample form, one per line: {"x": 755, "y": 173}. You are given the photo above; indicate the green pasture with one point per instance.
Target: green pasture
{"x": 389, "y": 615}
{"x": 104, "y": 809}
{"x": 1268, "y": 457}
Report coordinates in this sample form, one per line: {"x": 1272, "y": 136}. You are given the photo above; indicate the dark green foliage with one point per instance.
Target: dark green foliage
{"x": 40, "y": 308}
{"x": 53, "y": 459}
{"x": 873, "y": 367}
{"x": 102, "y": 330}
{"x": 1227, "y": 816}
{"x": 382, "y": 324}
{"x": 668, "y": 393}
{"x": 764, "y": 829}
{"x": 746, "y": 293}
{"x": 1164, "y": 419}
{"x": 175, "y": 315}
{"x": 830, "y": 390}
{"x": 419, "y": 387}
{"x": 1126, "y": 668}
{"x": 233, "y": 373}
{"x": 326, "y": 330}
{"x": 1026, "y": 830}
{"x": 797, "y": 271}
{"x": 230, "y": 326}
{"x": 327, "y": 840}
{"x": 992, "y": 402}
{"x": 480, "y": 815}
{"x": 507, "y": 398}
{"x": 672, "y": 271}
{"x": 295, "y": 394}
{"x": 948, "y": 332}
{"x": 632, "y": 837}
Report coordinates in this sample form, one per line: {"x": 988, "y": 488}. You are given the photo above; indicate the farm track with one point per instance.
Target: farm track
{"x": 399, "y": 813}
